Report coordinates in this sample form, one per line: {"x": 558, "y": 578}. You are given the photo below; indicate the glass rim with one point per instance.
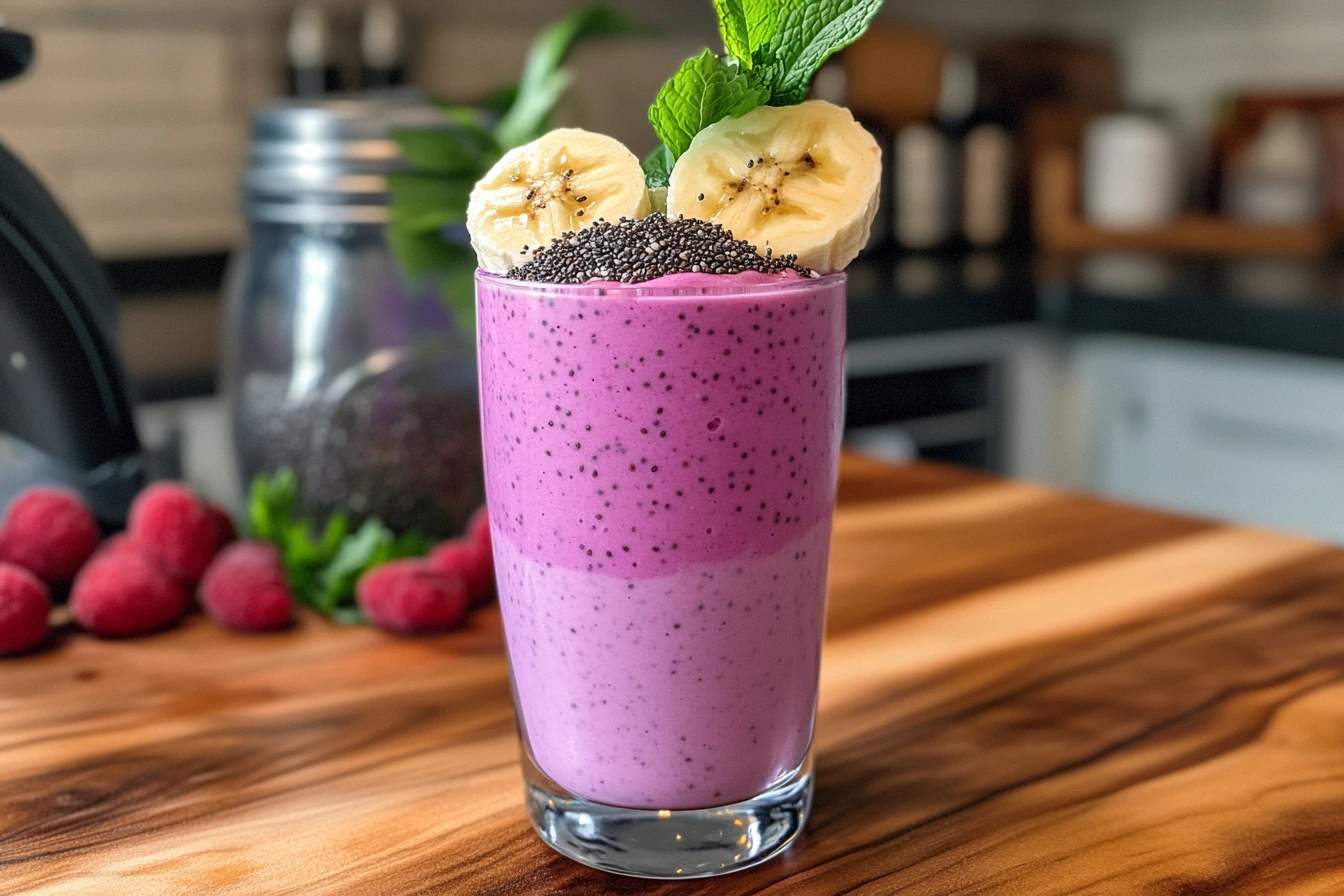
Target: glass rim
{"x": 644, "y": 290}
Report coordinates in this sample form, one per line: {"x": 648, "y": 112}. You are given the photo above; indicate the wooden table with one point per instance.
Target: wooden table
{"x": 1023, "y": 693}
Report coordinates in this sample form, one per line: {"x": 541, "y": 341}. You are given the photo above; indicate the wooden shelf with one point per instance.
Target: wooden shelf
{"x": 1060, "y": 227}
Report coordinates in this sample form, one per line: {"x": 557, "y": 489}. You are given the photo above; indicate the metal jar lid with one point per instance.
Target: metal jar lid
{"x": 327, "y": 161}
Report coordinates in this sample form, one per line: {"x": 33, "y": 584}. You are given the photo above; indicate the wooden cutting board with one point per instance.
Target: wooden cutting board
{"x": 1023, "y": 692}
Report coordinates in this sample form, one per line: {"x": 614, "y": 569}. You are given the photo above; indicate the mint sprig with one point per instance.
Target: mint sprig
{"x": 807, "y": 34}
{"x": 658, "y": 168}
{"x": 704, "y": 90}
{"x": 773, "y": 48}
{"x": 735, "y": 30}
{"x": 322, "y": 563}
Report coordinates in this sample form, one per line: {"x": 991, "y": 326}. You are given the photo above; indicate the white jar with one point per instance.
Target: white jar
{"x": 1131, "y": 172}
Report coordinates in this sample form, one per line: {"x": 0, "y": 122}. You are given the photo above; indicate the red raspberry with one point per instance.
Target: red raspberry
{"x": 245, "y": 588}
{"x": 50, "y": 532}
{"x": 175, "y": 530}
{"x": 121, "y": 543}
{"x": 121, "y": 592}
{"x": 464, "y": 560}
{"x": 478, "y": 531}
{"x": 24, "y": 605}
{"x": 223, "y": 523}
{"x": 408, "y": 596}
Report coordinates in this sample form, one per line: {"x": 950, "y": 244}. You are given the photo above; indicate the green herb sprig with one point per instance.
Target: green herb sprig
{"x": 323, "y": 562}
{"x": 772, "y": 48}
{"x": 443, "y": 164}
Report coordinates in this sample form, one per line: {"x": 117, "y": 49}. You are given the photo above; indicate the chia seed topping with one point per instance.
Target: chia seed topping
{"x": 634, "y": 250}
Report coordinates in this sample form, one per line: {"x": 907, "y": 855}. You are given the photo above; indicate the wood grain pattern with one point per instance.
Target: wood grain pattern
{"x": 1023, "y": 692}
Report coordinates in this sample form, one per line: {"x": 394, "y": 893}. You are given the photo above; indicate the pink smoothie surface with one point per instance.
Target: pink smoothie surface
{"x": 660, "y": 469}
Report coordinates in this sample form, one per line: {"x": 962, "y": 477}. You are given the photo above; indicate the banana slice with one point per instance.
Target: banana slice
{"x": 800, "y": 180}
{"x": 560, "y": 182}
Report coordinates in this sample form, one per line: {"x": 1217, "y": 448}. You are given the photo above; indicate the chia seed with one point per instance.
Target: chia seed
{"x": 635, "y": 250}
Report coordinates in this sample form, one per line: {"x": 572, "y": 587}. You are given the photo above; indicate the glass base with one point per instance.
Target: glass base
{"x": 669, "y": 844}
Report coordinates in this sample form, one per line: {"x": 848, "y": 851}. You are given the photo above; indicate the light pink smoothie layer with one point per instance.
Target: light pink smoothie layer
{"x": 661, "y": 472}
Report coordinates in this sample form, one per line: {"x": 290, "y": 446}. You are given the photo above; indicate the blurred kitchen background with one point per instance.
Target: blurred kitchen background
{"x": 1105, "y": 257}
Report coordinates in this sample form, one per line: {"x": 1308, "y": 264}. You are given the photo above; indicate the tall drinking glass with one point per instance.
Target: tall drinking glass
{"x": 660, "y": 469}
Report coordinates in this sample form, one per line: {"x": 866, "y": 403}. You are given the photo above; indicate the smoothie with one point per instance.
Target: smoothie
{"x": 661, "y": 341}
{"x": 660, "y": 464}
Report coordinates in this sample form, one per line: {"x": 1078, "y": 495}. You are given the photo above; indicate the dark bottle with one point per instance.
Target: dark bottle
{"x": 926, "y": 167}
{"x": 308, "y": 44}
{"x": 381, "y": 41}
{"x": 986, "y": 175}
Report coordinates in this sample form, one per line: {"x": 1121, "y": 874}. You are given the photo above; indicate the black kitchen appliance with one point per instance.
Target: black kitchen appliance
{"x": 65, "y": 403}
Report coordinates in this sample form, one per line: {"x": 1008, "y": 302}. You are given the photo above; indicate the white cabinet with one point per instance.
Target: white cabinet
{"x": 982, "y": 397}
{"x": 1249, "y": 436}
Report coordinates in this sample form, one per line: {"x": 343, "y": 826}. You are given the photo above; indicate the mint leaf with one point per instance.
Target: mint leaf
{"x": 657, "y": 168}
{"x": 270, "y": 505}
{"x": 358, "y": 552}
{"x": 809, "y": 33}
{"x": 348, "y": 616}
{"x": 338, "y": 526}
{"x": 427, "y": 203}
{"x": 543, "y": 83}
{"x": 762, "y": 21}
{"x": 703, "y": 91}
{"x": 323, "y": 564}
{"x": 733, "y": 28}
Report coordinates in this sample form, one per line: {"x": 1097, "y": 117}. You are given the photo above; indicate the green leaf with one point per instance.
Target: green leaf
{"x": 762, "y": 20}
{"x": 338, "y": 526}
{"x": 499, "y": 100}
{"x": 809, "y": 33}
{"x": 543, "y": 83}
{"x": 733, "y": 29}
{"x": 323, "y": 565}
{"x": 271, "y": 503}
{"x": 703, "y": 91}
{"x": 426, "y": 203}
{"x": 472, "y": 125}
{"x": 422, "y": 253}
{"x": 527, "y": 118}
{"x": 444, "y": 150}
{"x": 348, "y": 616}
{"x": 658, "y": 168}
{"x": 357, "y": 553}
{"x": 410, "y": 544}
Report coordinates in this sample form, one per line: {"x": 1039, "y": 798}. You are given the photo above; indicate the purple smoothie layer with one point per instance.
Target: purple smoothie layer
{"x": 660, "y": 465}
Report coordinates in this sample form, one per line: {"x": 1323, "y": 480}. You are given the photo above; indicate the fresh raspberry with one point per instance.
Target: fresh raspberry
{"x": 24, "y": 605}
{"x": 478, "y": 531}
{"x": 409, "y": 596}
{"x": 245, "y": 588}
{"x": 175, "y": 529}
{"x": 223, "y": 524}
{"x": 50, "y": 532}
{"x": 462, "y": 559}
{"x": 122, "y": 592}
{"x": 121, "y": 543}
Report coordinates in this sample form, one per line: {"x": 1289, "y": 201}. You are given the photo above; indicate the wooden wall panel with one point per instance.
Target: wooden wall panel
{"x": 122, "y": 74}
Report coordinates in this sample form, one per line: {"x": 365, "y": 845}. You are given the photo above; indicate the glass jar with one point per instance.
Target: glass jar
{"x": 336, "y": 365}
